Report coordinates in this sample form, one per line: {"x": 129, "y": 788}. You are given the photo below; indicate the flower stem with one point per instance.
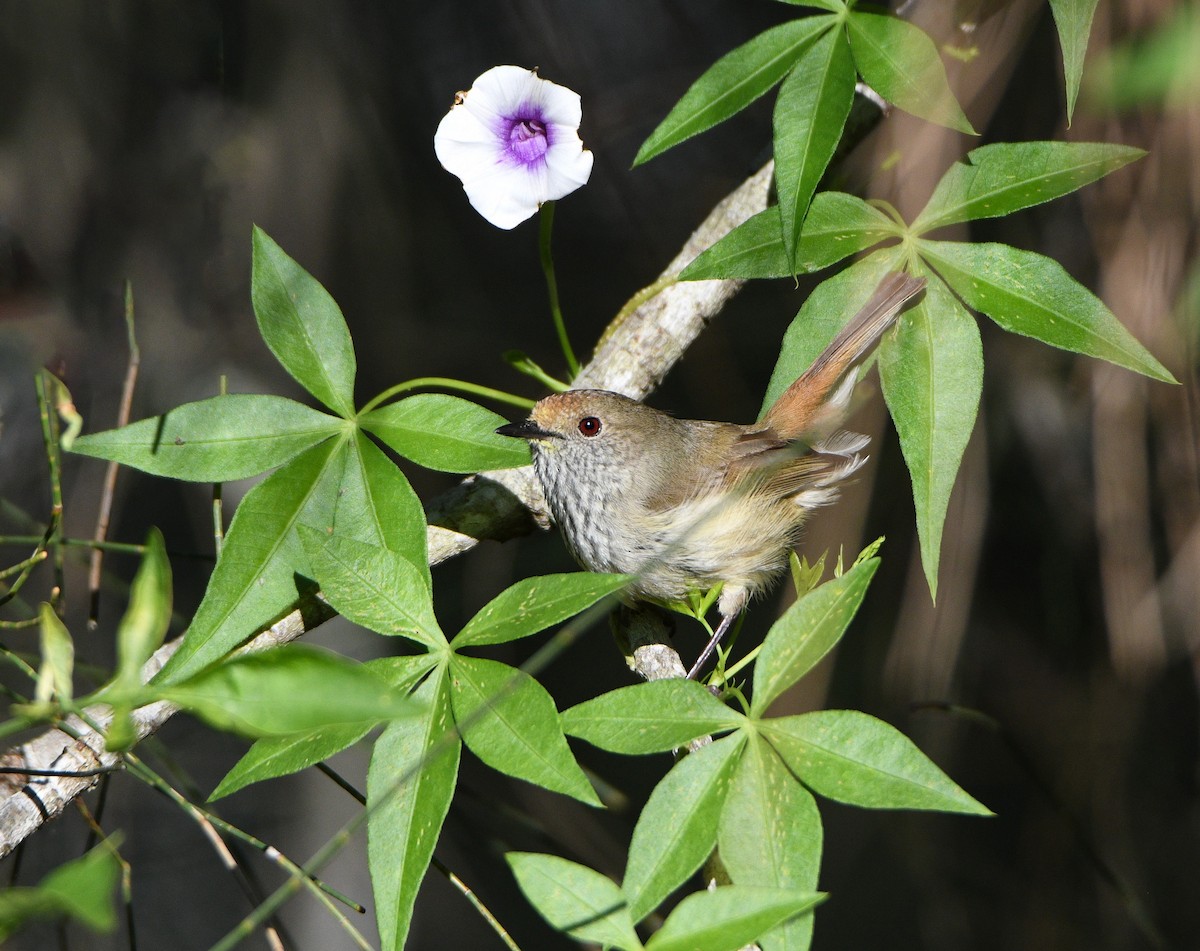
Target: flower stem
{"x": 547, "y": 226}
{"x": 447, "y": 383}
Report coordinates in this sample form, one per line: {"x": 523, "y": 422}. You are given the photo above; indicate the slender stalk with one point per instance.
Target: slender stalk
{"x": 53, "y": 458}
{"x": 544, "y": 232}
{"x": 446, "y": 383}
{"x": 218, "y": 517}
{"x": 109, "y": 488}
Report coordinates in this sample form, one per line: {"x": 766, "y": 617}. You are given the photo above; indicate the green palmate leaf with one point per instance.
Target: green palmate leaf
{"x": 828, "y": 308}
{"x": 901, "y": 63}
{"x": 275, "y": 756}
{"x": 733, "y": 82}
{"x": 254, "y": 581}
{"x": 272, "y": 757}
{"x": 446, "y": 433}
{"x": 510, "y": 722}
{"x": 373, "y": 586}
{"x": 303, "y": 326}
{"x": 999, "y": 179}
{"x": 575, "y": 899}
{"x": 770, "y": 835}
{"x": 291, "y": 689}
{"x": 214, "y": 440}
{"x": 1073, "y": 18}
{"x": 729, "y": 917}
{"x": 853, "y": 758}
{"x": 1033, "y": 295}
{"x": 931, "y": 369}
{"x": 377, "y": 505}
{"x": 833, "y": 6}
{"x": 677, "y": 829}
{"x": 420, "y": 754}
{"x": 144, "y": 625}
{"x": 810, "y": 113}
{"x": 58, "y": 658}
{"x": 650, "y": 718}
{"x": 837, "y": 226}
{"x": 534, "y": 604}
{"x": 84, "y": 889}
{"x": 807, "y": 631}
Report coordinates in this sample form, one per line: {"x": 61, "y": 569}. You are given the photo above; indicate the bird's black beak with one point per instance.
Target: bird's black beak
{"x": 526, "y": 429}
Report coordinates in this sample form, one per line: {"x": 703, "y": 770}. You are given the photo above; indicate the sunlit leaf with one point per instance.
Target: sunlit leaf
{"x": 901, "y": 63}
{"x": 650, "y": 718}
{"x": 733, "y": 82}
{"x": 575, "y": 899}
{"x": 1033, "y": 295}
{"x": 509, "y": 721}
{"x": 302, "y": 325}
{"x": 807, "y": 632}
{"x": 421, "y": 754}
{"x": 810, "y": 113}
{"x": 677, "y": 829}
{"x": 837, "y": 226}
{"x": 931, "y": 369}
{"x": 770, "y": 835}
{"x": 290, "y": 689}
{"x": 729, "y": 917}
{"x": 446, "y": 433}
{"x": 534, "y": 604}
{"x": 854, "y": 758}
{"x": 214, "y": 440}
{"x": 999, "y": 179}
{"x": 1073, "y": 19}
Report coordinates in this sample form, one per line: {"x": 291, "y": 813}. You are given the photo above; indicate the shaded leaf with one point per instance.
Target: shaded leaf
{"x": 901, "y": 63}
{"x": 931, "y": 368}
{"x": 854, "y": 758}
{"x": 677, "y": 829}
{"x": 446, "y": 433}
{"x": 1033, "y": 295}
{"x": 652, "y": 717}
{"x": 1073, "y": 19}
{"x": 534, "y": 604}
{"x": 806, "y": 632}
{"x": 1005, "y": 177}
{"x": 837, "y": 226}
{"x": 84, "y": 889}
{"x": 575, "y": 899}
{"x": 733, "y": 82}
{"x": 302, "y": 325}
{"x": 144, "y": 624}
{"x": 55, "y": 675}
{"x": 410, "y": 785}
{"x": 510, "y": 722}
{"x": 810, "y": 113}
{"x": 214, "y": 440}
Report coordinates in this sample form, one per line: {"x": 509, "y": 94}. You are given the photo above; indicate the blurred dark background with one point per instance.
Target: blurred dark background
{"x": 140, "y": 141}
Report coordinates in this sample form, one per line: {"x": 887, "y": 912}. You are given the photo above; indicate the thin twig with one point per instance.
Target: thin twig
{"x": 110, "y": 474}
{"x": 54, "y": 461}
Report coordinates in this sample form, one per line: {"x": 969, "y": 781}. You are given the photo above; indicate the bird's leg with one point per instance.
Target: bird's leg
{"x": 726, "y": 620}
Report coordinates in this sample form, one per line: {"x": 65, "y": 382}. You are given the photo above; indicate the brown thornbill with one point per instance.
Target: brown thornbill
{"x": 686, "y": 504}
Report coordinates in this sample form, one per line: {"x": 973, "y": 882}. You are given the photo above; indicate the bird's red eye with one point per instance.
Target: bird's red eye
{"x": 589, "y": 426}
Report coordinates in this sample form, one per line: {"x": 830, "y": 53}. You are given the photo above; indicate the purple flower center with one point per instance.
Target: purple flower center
{"x": 528, "y": 139}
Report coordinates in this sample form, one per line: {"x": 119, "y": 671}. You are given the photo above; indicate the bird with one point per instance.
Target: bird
{"x": 684, "y": 505}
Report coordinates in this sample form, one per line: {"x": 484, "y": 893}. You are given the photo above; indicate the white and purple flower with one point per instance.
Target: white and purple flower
{"x": 513, "y": 139}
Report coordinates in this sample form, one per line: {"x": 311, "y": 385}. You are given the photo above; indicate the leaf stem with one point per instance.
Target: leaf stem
{"x": 446, "y": 383}
{"x": 544, "y": 232}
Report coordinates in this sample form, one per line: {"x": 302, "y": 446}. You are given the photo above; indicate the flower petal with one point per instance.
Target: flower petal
{"x": 513, "y": 140}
